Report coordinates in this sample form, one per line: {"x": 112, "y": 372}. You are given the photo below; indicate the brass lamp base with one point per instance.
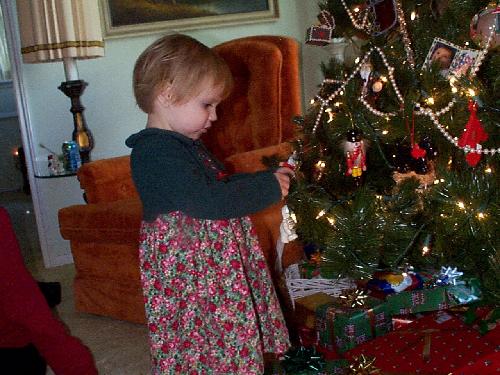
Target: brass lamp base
{"x": 81, "y": 134}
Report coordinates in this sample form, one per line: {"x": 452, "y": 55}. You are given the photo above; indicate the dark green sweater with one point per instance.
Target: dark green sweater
{"x": 170, "y": 173}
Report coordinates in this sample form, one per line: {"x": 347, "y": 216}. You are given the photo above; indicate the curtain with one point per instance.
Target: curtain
{"x": 5, "y": 73}
{"x": 52, "y": 30}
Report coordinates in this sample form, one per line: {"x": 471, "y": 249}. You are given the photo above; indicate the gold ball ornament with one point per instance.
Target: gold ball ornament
{"x": 377, "y": 86}
{"x": 485, "y": 22}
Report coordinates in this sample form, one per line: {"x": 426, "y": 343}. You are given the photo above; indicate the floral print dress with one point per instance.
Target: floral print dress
{"x": 210, "y": 301}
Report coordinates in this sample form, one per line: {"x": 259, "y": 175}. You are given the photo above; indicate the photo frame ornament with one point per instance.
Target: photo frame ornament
{"x": 441, "y": 51}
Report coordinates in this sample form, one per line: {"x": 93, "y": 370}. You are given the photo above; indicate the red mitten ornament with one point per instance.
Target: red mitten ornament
{"x": 472, "y": 136}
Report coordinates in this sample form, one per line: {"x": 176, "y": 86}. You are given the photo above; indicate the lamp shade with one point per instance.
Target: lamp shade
{"x": 55, "y": 30}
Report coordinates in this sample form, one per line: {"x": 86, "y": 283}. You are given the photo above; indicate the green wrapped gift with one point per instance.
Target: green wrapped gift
{"x": 323, "y": 269}
{"x": 342, "y": 328}
{"x": 466, "y": 291}
{"x": 421, "y": 300}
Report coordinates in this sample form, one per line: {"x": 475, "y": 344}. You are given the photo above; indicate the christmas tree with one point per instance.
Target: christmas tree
{"x": 397, "y": 155}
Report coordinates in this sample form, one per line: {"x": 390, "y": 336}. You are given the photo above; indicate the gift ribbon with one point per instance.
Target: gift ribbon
{"x": 297, "y": 361}
{"x": 371, "y": 319}
{"x": 426, "y": 337}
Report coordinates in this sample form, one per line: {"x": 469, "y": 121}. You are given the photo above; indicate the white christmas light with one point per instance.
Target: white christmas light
{"x": 321, "y": 214}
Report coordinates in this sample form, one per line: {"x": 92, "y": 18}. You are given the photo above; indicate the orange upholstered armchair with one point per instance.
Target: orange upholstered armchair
{"x": 253, "y": 122}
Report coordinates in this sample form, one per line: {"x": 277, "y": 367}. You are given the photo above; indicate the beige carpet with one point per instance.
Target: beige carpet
{"x": 119, "y": 348}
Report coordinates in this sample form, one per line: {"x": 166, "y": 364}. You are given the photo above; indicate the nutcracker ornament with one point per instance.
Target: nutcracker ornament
{"x": 354, "y": 149}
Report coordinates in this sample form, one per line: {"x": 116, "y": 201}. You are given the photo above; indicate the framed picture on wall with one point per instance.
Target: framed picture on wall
{"x": 135, "y": 17}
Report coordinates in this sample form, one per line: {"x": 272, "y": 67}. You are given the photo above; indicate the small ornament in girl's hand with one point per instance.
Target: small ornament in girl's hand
{"x": 291, "y": 162}
{"x": 354, "y": 149}
{"x": 222, "y": 175}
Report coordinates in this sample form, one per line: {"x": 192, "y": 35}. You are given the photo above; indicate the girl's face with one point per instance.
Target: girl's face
{"x": 194, "y": 117}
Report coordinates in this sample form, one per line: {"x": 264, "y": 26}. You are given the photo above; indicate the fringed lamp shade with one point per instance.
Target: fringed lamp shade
{"x": 63, "y": 30}
{"x": 55, "y": 29}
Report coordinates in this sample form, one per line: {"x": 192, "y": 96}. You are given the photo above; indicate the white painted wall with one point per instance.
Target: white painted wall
{"x": 111, "y": 112}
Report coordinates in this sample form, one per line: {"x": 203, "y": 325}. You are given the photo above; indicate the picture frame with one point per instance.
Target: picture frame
{"x": 464, "y": 60}
{"x": 128, "y": 18}
{"x": 443, "y": 52}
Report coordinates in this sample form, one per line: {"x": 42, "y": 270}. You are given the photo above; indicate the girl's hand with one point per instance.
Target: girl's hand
{"x": 283, "y": 176}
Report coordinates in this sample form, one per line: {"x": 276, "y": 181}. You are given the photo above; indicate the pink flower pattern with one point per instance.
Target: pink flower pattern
{"x": 210, "y": 301}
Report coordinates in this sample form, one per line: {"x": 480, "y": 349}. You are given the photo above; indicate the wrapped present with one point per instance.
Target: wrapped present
{"x": 466, "y": 291}
{"x": 416, "y": 301}
{"x": 305, "y": 308}
{"x": 489, "y": 364}
{"x": 437, "y": 343}
{"x": 317, "y": 269}
{"x": 434, "y": 298}
{"x": 343, "y": 327}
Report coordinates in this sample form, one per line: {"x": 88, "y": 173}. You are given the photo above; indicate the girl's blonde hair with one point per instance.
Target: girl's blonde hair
{"x": 183, "y": 64}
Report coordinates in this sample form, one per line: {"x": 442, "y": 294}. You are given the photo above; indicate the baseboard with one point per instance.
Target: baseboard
{"x": 60, "y": 260}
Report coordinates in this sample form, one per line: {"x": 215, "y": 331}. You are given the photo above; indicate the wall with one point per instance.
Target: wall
{"x": 111, "y": 112}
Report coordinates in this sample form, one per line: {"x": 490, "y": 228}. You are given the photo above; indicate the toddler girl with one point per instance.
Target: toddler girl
{"x": 210, "y": 302}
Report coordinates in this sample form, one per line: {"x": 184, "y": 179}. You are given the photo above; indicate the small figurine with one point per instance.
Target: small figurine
{"x": 354, "y": 150}
{"x": 54, "y": 165}
{"x": 287, "y": 227}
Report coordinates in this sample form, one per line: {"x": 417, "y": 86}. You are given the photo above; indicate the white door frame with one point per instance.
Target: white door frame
{"x": 12, "y": 35}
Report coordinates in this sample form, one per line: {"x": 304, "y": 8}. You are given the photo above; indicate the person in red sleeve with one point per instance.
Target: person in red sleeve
{"x": 27, "y": 325}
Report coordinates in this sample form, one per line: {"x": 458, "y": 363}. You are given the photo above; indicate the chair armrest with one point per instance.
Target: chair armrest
{"x": 251, "y": 161}
{"x": 107, "y": 180}
{"x": 117, "y": 221}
